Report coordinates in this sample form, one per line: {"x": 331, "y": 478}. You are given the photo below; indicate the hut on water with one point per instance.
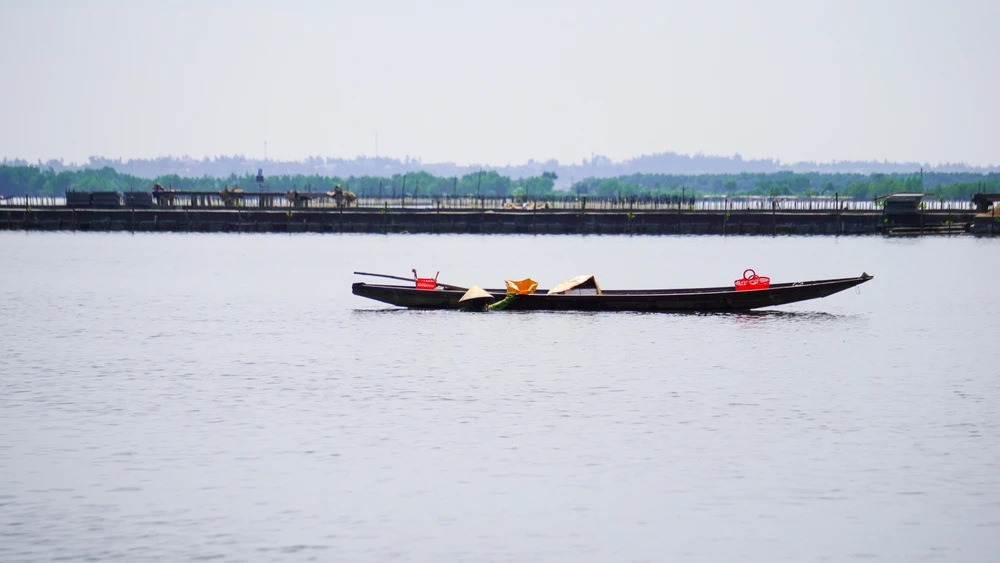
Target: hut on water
{"x": 902, "y": 203}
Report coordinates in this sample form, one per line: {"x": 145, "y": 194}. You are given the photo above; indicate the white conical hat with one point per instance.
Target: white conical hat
{"x": 476, "y": 292}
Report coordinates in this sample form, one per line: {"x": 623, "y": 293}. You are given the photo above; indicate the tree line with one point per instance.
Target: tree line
{"x": 32, "y": 181}
{"x": 597, "y": 166}
{"x": 35, "y": 181}
{"x": 946, "y": 185}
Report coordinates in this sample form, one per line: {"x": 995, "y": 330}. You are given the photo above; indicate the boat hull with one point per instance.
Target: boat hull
{"x": 648, "y": 300}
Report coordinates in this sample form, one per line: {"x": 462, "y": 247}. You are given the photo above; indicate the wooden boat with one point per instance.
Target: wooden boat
{"x": 640, "y": 300}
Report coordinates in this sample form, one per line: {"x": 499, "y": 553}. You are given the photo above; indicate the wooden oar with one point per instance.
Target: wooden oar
{"x": 439, "y": 284}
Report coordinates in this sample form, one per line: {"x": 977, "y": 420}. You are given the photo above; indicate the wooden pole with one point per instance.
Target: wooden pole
{"x": 400, "y": 278}
{"x": 479, "y": 184}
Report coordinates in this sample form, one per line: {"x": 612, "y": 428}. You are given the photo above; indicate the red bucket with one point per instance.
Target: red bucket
{"x": 752, "y": 281}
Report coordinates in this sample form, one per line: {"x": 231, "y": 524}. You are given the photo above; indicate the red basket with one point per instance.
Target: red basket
{"x": 752, "y": 281}
{"x": 426, "y": 283}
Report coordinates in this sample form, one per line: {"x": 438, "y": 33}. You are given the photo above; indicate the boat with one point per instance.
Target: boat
{"x": 710, "y": 299}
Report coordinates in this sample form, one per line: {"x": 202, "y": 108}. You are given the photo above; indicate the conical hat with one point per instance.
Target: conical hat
{"x": 476, "y": 292}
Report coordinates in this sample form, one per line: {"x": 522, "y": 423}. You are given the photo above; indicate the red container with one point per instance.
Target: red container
{"x": 426, "y": 283}
{"x": 752, "y": 281}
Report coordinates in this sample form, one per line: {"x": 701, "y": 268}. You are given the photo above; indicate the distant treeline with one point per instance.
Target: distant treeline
{"x": 946, "y": 185}
{"x": 21, "y": 180}
{"x": 33, "y": 181}
{"x": 597, "y": 166}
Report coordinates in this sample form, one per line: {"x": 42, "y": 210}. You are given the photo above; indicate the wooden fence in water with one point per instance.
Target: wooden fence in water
{"x": 320, "y": 201}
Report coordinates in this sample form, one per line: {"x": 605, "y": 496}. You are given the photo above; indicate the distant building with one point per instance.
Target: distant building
{"x": 903, "y": 203}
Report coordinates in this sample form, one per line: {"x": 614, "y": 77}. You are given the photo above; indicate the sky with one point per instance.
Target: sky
{"x": 499, "y": 83}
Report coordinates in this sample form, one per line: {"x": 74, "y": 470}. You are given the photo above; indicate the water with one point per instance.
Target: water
{"x": 178, "y": 397}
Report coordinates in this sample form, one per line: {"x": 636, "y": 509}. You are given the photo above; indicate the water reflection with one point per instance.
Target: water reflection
{"x": 768, "y": 318}
{"x": 761, "y": 315}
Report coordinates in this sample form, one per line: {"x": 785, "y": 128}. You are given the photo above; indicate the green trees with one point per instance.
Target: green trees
{"x": 484, "y": 184}
{"x": 535, "y": 186}
{"x": 18, "y": 180}
{"x": 36, "y": 181}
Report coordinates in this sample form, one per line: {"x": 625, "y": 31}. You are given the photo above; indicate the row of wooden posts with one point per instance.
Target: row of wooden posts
{"x": 322, "y": 201}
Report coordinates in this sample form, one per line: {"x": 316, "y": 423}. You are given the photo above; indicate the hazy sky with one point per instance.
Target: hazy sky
{"x": 501, "y": 82}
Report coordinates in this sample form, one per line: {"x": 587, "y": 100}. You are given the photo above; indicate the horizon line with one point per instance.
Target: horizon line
{"x": 735, "y": 157}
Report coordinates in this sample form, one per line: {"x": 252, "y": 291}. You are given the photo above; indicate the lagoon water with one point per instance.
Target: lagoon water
{"x": 182, "y": 397}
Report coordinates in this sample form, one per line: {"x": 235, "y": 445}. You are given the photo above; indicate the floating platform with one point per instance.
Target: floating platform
{"x": 376, "y": 220}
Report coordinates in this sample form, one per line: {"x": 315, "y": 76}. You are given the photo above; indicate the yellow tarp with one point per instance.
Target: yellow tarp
{"x": 527, "y": 286}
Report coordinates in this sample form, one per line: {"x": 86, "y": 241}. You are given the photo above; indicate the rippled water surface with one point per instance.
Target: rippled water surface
{"x": 177, "y": 397}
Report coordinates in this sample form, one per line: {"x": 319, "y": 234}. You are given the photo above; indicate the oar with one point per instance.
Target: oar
{"x": 444, "y": 285}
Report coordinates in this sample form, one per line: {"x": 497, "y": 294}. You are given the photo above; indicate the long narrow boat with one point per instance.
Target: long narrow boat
{"x": 641, "y": 300}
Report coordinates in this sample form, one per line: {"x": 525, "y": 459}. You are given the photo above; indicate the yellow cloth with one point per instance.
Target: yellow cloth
{"x": 527, "y": 286}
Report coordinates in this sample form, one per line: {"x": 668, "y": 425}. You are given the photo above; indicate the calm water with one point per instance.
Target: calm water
{"x": 177, "y": 397}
